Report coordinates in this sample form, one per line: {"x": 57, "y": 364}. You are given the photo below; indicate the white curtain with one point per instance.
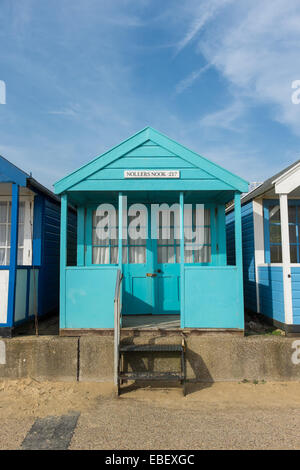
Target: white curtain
{"x": 133, "y": 251}
{"x": 168, "y": 251}
{"x": 5, "y": 230}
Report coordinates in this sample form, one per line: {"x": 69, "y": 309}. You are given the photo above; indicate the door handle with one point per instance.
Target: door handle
{"x": 151, "y": 274}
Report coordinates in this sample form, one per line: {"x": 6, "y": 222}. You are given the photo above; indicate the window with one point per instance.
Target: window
{"x": 275, "y": 232}
{"x": 107, "y": 252}
{"x": 5, "y": 230}
{"x": 200, "y": 253}
{"x": 168, "y": 251}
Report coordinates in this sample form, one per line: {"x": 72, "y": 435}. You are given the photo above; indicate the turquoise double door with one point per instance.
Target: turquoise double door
{"x": 151, "y": 269}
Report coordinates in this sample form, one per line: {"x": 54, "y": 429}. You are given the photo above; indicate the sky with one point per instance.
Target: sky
{"x": 83, "y": 75}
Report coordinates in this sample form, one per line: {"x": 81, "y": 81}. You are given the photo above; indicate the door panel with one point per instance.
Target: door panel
{"x": 167, "y": 294}
{"x": 151, "y": 287}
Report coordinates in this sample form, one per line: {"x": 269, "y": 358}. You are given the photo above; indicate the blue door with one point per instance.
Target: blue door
{"x": 151, "y": 275}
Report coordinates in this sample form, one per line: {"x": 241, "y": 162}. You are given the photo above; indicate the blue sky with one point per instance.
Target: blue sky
{"x": 83, "y": 75}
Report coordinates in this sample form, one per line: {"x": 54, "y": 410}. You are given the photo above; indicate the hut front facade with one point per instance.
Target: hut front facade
{"x": 271, "y": 248}
{"x": 162, "y": 275}
{"x": 29, "y": 248}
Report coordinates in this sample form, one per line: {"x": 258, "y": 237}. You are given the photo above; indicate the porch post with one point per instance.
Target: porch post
{"x": 286, "y": 259}
{"x": 239, "y": 256}
{"x": 13, "y": 254}
{"x": 80, "y": 235}
{"x": 182, "y": 302}
{"x": 63, "y": 258}
{"x": 120, "y": 244}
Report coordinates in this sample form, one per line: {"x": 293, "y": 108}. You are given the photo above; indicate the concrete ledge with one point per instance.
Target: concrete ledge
{"x": 209, "y": 358}
{"x": 42, "y": 358}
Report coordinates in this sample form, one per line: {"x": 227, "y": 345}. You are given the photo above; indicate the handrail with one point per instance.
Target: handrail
{"x": 117, "y": 323}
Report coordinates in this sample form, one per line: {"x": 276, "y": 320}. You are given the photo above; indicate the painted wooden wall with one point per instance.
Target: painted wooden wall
{"x": 295, "y": 271}
{"x": 249, "y": 277}
{"x": 89, "y": 301}
{"x": 218, "y": 300}
{"x": 50, "y": 245}
{"x": 271, "y": 292}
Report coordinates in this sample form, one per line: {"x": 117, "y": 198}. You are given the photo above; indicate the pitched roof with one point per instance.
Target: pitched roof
{"x": 139, "y": 139}
{"x": 264, "y": 187}
{"x": 10, "y": 173}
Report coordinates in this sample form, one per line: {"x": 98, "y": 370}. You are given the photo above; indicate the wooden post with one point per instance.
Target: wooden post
{"x": 120, "y": 244}
{"x": 239, "y": 256}
{"x": 13, "y": 254}
{"x": 63, "y": 258}
{"x": 286, "y": 259}
{"x": 182, "y": 302}
{"x": 80, "y": 236}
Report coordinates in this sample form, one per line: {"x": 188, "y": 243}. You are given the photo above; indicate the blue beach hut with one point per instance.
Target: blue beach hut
{"x": 161, "y": 276}
{"x": 29, "y": 248}
{"x": 271, "y": 248}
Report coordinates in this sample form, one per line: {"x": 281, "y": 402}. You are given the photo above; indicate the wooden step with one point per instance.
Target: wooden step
{"x": 151, "y": 348}
{"x": 153, "y": 376}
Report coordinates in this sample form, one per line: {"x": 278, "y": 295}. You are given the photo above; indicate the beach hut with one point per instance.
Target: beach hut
{"x": 29, "y": 248}
{"x": 146, "y": 184}
{"x": 271, "y": 248}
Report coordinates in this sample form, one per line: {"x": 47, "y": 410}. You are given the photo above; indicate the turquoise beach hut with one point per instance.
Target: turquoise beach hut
{"x": 161, "y": 276}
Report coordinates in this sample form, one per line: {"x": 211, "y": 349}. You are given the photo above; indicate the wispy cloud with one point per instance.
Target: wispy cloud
{"x": 202, "y": 14}
{"x": 190, "y": 79}
{"x": 255, "y": 47}
{"x": 227, "y": 118}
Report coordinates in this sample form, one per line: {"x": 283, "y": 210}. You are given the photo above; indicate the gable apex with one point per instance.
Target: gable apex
{"x": 149, "y": 143}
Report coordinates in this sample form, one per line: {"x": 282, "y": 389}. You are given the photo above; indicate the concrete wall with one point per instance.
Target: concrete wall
{"x": 215, "y": 357}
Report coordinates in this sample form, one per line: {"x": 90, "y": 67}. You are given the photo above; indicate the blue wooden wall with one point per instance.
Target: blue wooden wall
{"x": 271, "y": 292}
{"x": 295, "y": 271}
{"x": 46, "y": 251}
{"x": 248, "y": 252}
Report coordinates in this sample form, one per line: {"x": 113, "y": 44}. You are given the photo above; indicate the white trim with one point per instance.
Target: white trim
{"x": 289, "y": 181}
{"x": 28, "y": 232}
{"x": 286, "y": 175}
{"x": 292, "y": 265}
{"x": 286, "y": 261}
{"x": 259, "y": 248}
{"x": 22, "y": 197}
{"x": 4, "y": 278}
{"x": 28, "y": 201}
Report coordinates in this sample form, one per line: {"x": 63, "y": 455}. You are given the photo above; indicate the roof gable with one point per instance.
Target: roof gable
{"x": 9, "y": 173}
{"x": 146, "y": 150}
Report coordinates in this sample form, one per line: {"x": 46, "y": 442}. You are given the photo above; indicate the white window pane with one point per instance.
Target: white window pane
{"x": 165, "y": 254}
{"x": 124, "y": 255}
{"x": 20, "y": 257}
{"x": 101, "y": 255}
{"x": 2, "y": 256}
{"x": 114, "y": 255}
{"x": 202, "y": 255}
{"x": 178, "y": 254}
{"x": 21, "y": 212}
{"x": 21, "y": 235}
{"x": 7, "y": 256}
{"x": 3, "y": 240}
{"x": 207, "y": 239}
{"x": 137, "y": 254}
{"x": 3, "y": 212}
{"x": 188, "y": 256}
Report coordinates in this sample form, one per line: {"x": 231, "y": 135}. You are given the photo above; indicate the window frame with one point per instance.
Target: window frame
{"x": 89, "y": 241}
{"x": 28, "y": 201}
{"x": 267, "y": 244}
